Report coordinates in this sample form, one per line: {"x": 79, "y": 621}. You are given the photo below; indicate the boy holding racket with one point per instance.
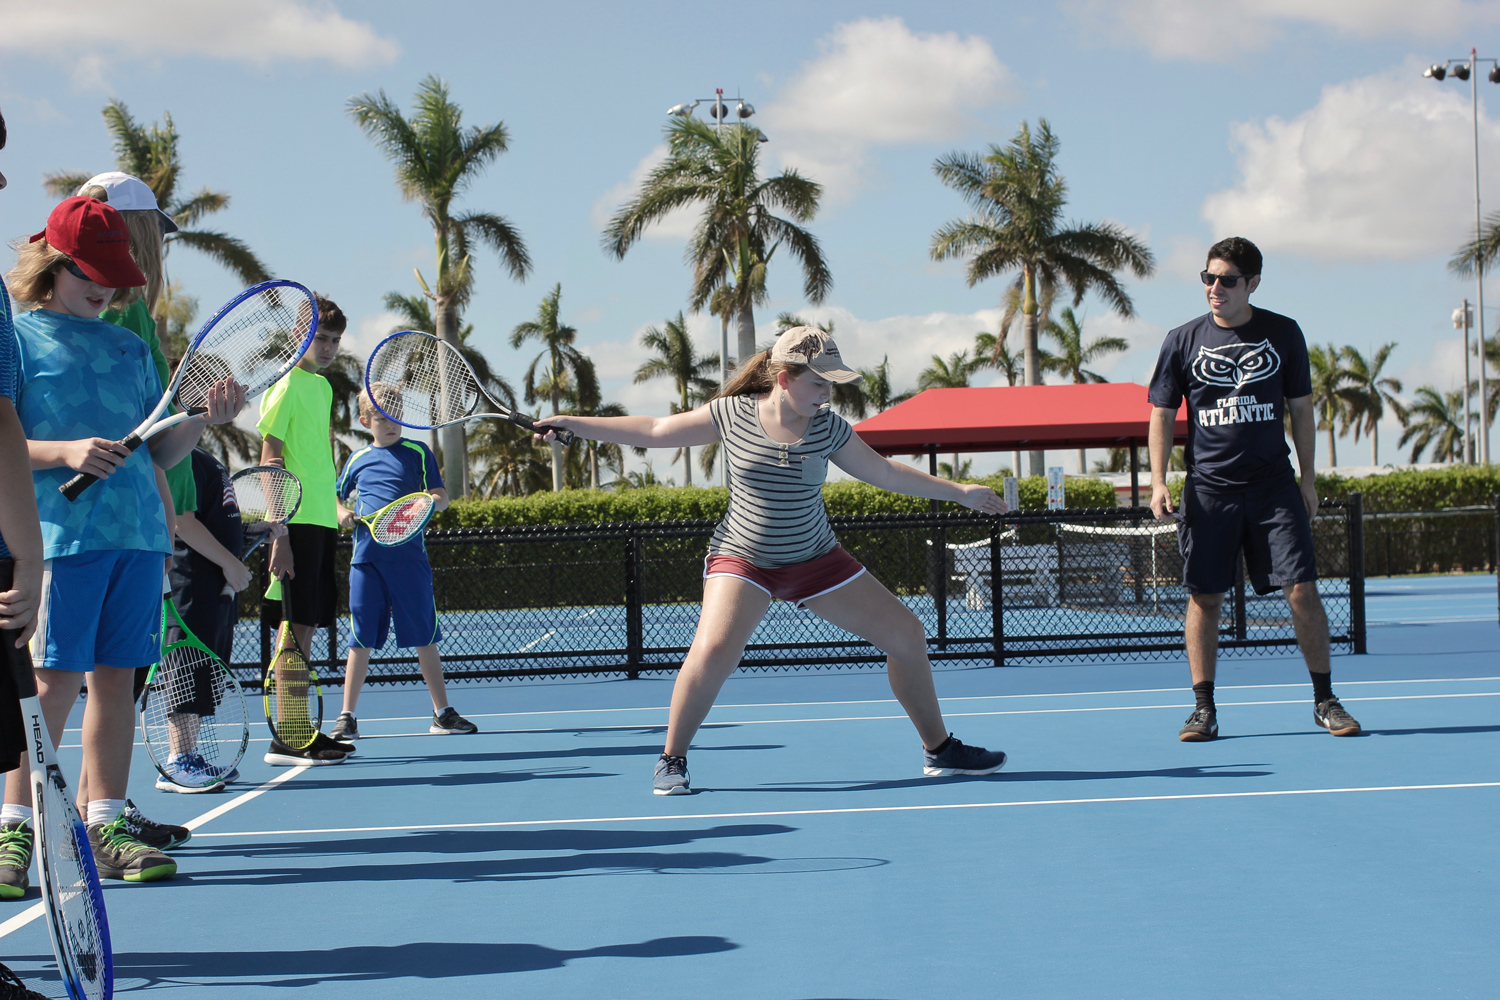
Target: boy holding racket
{"x": 296, "y": 420}
{"x": 387, "y": 581}
{"x": 85, "y": 384}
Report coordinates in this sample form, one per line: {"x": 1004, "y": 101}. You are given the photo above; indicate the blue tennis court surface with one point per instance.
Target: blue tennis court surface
{"x": 1107, "y": 860}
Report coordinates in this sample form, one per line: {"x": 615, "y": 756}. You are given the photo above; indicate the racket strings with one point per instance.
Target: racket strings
{"x": 288, "y": 688}
{"x": 266, "y": 495}
{"x": 420, "y": 381}
{"x": 67, "y": 874}
{"x": 402, "y": 520}
{"x": 193, "y": 706}
{"x": 254, "y": 342}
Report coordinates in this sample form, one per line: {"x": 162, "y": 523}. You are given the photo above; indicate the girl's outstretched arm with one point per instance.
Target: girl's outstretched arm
{"x": 860, "y": 461}
{"x": 694, "y": 427}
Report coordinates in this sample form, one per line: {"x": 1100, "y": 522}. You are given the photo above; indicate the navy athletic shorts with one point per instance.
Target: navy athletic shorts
{"x": 1269, "y": 526}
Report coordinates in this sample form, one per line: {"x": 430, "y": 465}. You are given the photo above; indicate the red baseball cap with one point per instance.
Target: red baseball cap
{"x": 94, "y": 235}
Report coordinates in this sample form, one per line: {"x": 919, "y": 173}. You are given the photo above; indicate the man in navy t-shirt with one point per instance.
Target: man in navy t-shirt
{"x": 1243, "y": 371}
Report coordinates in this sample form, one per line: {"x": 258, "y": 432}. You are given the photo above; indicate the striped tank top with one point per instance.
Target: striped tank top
{"x": 776, "y": 515}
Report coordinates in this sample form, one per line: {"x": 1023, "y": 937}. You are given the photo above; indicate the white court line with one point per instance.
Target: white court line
{"x": 859, "y": 809}
{"x": 550, "y": 634}
{"x": 712, "y": 723}
{"x": 35, "y": 910}
{"x": 976, "y": 697}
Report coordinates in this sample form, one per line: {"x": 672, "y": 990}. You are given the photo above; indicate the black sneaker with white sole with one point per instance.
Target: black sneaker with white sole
{"x": 345, "y": 728}
{"x": 955, "y": 757}
{"x": 280, "y": 753}
{"x": 449, "y": 722}
{"x": 1332, "y": 717}
{"x": 1200, "y": 727}
{"x": 671, "y": 777}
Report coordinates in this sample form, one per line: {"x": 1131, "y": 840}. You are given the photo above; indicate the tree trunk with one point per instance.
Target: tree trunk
{"x": 593, "y": 447}
{"x": 455, "y": 447}
{"x": 1333, "y": 449}
{"x": 557, "y": 467}
{"x": 1029, "y": 323}
{"x": 746, "y": 328}
{"x": 687, "y": 466}
{"x": 1374, "y": 445}
{"x": 1083, "y": 462}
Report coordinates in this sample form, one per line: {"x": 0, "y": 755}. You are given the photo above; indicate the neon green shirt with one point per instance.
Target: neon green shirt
{"x": 298, "y": 410}
{"x": 136, "y": 318}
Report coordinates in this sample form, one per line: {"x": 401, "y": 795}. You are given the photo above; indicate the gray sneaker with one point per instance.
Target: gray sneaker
{"x": 448, "y": 722}
{"x": 957, "y": 758}
{"x": 345, "y": 728}
{"x": 671, "y": 777}
{"x": 1200, "y": 727}
{"x": 1332, "y": 717}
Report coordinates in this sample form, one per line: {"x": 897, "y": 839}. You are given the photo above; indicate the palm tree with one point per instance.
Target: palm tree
{"x": 1435, "y": 419}
{"x": 678, "y": 360}
{"x": 588, "y": 403}
{"x": 507, "y": 460}
{"x": 1073, "y": 354}
{"x": 179, "y": 310}
{"x": 950, "y": 374}
{"x": 1333, "y": 397}
{"x": 436, "y": 158}
{"x": 1017, "y": 197}
{"x": 559, "y": 371}
{"x": 150, "y": 153}
{"x": 1372, "y": 393}
{"x": 718, "y": 170}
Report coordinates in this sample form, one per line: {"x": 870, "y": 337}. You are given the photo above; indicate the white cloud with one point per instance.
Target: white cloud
{"x": 1380, "y": 168}
{"x": 1186, "y": 29}
{"x": 878, "y": 83}
{"x": 88, "y": 34}
{"x": 361, "y": 338}
{"x": 677, "y": 225}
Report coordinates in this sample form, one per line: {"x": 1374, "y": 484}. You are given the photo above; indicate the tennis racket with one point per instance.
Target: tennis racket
{"x": 193, "y": 717}
{"x": 255, "y": 339}
{"x": 65, "y": 861}
{"x": 294, "y": 701}
{"x": 266, "y": 495}
{"x": 418, "y": 381}
{"x": 401, "y": 519}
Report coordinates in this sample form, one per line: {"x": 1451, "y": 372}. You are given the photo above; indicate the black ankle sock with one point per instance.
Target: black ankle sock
{"x": 1322, "y": 686}
{"x": 1203, "y": 691}
{"x": 943, "y": 745}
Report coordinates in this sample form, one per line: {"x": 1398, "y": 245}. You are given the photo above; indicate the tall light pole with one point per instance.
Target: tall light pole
{"x": 1468, "y": 69}
{"x": 719, "y": 111}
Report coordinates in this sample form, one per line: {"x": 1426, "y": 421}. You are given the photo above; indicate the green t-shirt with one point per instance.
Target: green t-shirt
{"x": 137, "y": 319}
{"x": 298, "y": 410}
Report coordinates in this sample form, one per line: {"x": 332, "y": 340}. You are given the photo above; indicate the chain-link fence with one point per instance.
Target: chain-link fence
{"x": 1457, "y": 540}
{"x": 624, "y": 598}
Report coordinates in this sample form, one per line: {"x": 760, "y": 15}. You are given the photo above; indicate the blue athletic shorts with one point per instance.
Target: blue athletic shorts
{"x": 1269, "y": 526}
{"x": 373, "y": 602}
{"x": 100, "y": 607}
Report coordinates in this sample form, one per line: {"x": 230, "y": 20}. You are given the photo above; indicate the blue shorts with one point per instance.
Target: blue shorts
{"x": 373, "y": 603}
{"x": 102, "y": 608}
{"x": 1269, "y": 526}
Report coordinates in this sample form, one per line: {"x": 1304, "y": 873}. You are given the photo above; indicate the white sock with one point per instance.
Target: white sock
{"x": 11, "y": 813}
{"x": 104, "y": 810}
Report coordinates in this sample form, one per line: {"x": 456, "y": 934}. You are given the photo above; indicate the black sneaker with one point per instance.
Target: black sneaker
{"x": 325, "y": 742}
{"x": 345, "y": 728}
{"x": 1200, "y": 727}
{"x": 448, "y": 721}
{"x": 280, "y": 753}
{"x": 1332, "y": 717}
{"x": 162, "y": 836}
{"x": 11, "y": 987}
{"x": 671, "y": 777}
{"x": 16, "y": 841}
{"x": 120, "y": 854}
{"x": 957, "y": 758}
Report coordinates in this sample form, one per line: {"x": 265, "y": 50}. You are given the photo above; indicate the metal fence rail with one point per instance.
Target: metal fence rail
{"x": 624, "y": 598}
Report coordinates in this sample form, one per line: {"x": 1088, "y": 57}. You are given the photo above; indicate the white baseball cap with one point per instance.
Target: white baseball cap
{"x": 807, "y": 345}
{"x": 129, "y": 194}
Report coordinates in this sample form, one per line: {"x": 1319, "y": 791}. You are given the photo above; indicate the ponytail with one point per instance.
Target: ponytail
{"x": 757, "y": 376}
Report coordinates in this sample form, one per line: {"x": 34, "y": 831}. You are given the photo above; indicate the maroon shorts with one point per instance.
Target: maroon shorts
{"x": 797, "y": 583}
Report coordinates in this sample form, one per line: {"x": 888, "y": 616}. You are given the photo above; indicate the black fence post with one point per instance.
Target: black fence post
{"x": 1497, "y": 552}
{"x": 1356, "y": 514}
{"x": 634, "y": 632}
{"x": 938, "y": 561}
{"x": 265, "y": 630}
{"x": 997, "y": 610}
{"x": 1241, "y": 627}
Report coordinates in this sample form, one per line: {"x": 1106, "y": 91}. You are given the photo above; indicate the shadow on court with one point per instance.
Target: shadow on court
{"x": 1200, "y": 771}
{"x": 347, "y": 777}
{"x": 418, "y": 960}
{"x": 644, "y": 750}
{"x": 483, "y": 842}
{"x": 1431, "y": 731}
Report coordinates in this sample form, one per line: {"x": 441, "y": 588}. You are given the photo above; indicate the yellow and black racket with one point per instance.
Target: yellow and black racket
{"x": 193, "y": 719}
{"x": 294, "y": 701}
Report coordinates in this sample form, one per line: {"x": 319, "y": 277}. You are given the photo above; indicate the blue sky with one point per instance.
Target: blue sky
{"x": 1305, "y": 126}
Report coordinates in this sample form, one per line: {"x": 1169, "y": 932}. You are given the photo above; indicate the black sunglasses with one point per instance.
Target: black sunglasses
{"x": 1227, "y": 280}
{"x": 76, "y": 271}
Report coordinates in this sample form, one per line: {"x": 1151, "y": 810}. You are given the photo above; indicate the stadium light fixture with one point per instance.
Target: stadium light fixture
{"x": 1435, "y": 72}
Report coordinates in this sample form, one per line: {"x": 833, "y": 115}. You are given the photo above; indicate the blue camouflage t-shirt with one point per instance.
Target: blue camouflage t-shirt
{"x": 85, "y": 378}
{"x": 1237, "y": 381}
{"x": 379, "y": 476}
{"x": 10, "y": 367}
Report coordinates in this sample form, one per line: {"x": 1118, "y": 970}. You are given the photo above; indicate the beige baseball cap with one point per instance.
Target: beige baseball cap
{"x": 807, "y": 345}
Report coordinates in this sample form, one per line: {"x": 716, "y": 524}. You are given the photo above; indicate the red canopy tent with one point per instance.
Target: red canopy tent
{"x": 1019, "y": 418}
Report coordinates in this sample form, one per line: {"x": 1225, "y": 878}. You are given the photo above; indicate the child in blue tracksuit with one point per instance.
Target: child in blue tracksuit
{"x": 392, "y": 581}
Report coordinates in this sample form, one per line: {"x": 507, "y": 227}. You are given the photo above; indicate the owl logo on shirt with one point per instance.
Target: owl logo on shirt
{"x": 1236, "y": 365}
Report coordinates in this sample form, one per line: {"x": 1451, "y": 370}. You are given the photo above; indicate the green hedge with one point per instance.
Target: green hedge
{"x": 670, "y": 503}
{"x": 1425, "y": 489}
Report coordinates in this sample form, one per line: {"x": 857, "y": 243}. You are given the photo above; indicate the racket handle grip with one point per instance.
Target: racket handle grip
{"x": 563, "y": 437}
{"x": 73, "y": 488}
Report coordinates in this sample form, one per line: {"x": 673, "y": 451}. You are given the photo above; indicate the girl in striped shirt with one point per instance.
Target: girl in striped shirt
{"x": 778, "y": 436}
